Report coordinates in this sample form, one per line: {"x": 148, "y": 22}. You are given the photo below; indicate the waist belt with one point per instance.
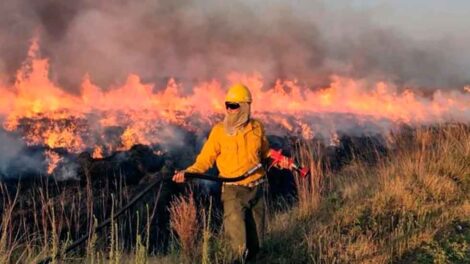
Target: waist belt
{"x": 250, "y": 184}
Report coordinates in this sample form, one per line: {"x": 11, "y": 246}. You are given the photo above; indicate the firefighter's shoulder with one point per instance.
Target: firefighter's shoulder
{"x": 257, "y": 123}
{"x": 218, "y": 127}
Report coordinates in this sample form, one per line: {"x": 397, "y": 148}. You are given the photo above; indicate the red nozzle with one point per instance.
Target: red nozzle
{"x": 277, "y": 157}
{"x": 304, "y": 172}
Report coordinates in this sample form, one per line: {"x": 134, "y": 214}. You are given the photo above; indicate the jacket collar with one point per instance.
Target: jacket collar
{"x": 248, "y": 127}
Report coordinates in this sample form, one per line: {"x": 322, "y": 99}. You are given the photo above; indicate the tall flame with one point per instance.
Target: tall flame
{"x": 47, "y": 115}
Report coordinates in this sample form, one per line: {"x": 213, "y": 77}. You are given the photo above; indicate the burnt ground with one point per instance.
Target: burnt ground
{"x": 98, "y": 183}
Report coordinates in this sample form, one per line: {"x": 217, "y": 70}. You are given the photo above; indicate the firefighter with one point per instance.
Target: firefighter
{"x": 236, "y": 145}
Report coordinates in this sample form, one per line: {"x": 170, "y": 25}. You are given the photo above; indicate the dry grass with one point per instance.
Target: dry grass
{"x": 410, "y": 206}
{"x": 390, "y": 209}
{"x": 184, "y": 221}
{"x": 43, "y": 220}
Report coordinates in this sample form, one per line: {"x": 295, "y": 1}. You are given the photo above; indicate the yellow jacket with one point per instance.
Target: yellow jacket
{"x": 234, "y": 155}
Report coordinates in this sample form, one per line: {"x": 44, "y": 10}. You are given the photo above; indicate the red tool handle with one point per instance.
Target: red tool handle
{"x": 277, "y": 157}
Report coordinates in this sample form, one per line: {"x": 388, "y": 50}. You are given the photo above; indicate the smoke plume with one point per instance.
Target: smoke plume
{"x": 14, "y": 160}
{"x": 201, "y": 40}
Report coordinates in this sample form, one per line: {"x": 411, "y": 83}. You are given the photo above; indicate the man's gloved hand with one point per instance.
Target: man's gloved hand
{"x": 284, "y": 164}
{"x": 178, "y": 177}
{"x": 279, "y": 161}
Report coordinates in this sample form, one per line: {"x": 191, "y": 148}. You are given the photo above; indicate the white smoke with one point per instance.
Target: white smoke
{"x": 13, "y": 161}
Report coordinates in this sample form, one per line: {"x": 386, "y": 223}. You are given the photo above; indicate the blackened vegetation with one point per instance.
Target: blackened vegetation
{"x": 100, "y": 183}
{"x": 366, "y": 149}
{"x": 331, "y": 158}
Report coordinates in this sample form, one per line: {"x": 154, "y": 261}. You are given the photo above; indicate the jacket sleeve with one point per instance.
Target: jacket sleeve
{"x": 265, "y": 148}
{"x": 209, "y": 152}
{"x": 264, "y": 144}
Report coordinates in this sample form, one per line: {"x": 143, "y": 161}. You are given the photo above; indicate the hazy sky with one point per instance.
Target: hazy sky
{"x": 429, "y": 21}
{"x": 422, "y": 18}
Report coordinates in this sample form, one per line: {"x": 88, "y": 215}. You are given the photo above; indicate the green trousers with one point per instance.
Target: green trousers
{"x": 244, "y": 218}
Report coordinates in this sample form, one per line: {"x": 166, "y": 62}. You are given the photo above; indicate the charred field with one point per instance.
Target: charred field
{"x": 396, "y": 200}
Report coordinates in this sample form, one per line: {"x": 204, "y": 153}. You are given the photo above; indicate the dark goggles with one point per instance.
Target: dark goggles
{"x": 233, "y": 106}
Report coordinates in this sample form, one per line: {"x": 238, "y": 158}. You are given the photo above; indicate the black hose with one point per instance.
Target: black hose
{"x": 187, "y": 175}
{"x": 190, "y": 175}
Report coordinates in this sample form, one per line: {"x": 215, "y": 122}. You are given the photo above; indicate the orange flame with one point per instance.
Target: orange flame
{"x": 140, "y": 111}
{"x": 53, "y": 159}
{"x": 97, "y": 152}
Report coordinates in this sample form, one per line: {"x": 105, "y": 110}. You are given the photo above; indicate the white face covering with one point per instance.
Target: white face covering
{"x": 235, "y": 120}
